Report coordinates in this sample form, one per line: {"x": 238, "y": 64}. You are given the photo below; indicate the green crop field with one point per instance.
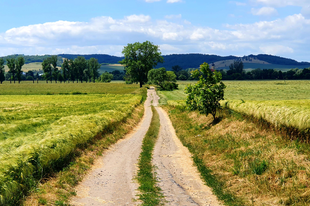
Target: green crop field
{"x": 35, "y": 66}
{"x": 39, "y": 131}
{"x": 41, "y": 124}
{"x": 252, "y": 90}
{"x": 282, "y": 103}
{"x": 285, "y": 113}
{"x": 43, "y": 88}
{"x": 111, "y": 68}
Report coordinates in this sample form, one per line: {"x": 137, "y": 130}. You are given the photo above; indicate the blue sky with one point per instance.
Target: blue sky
{"x": 278, "y": 27}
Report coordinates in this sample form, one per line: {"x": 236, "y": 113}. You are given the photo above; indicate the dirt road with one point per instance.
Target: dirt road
{"x": 177, "y": 175}
{"x": 111, "y": 182}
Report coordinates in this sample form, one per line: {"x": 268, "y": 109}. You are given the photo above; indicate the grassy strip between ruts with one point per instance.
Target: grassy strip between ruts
{"x": 150, "y": 193}
{"x": 58, "y": 189}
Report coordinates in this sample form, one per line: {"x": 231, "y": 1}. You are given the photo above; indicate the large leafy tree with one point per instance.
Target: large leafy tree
{"x": 206, "y": 94}
{"x": 12, "y": 68}
{"x": 139, "y": 59}
{"x": 2, "y": 76}
{"x": 20, "y": 61}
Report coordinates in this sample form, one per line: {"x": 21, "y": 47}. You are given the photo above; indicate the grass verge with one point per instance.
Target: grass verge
{"x": 252, "y": 163}
{"x": 150, "y": 193}
{"x": 59, "y": 187}
{"x": 184, "y": 129}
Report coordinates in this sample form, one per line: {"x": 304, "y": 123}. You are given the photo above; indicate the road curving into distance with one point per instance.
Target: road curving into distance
{"x": 112, "y": 179}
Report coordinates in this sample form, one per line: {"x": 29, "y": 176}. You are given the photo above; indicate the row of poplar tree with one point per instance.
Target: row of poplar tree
{"x": 15, "y": 68}
{"x": 78, "y": 69}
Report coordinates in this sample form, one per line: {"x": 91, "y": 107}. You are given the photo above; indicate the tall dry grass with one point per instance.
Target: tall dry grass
{"x": 255, "y": 164}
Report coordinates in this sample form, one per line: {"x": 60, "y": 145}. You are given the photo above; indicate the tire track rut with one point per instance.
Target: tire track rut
{"x": 111, "y": 181}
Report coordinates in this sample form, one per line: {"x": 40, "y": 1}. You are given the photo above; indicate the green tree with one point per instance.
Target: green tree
{"x": 80, "y": 65}
{"x": 47, "y": 69}
{"x": 65, "y": 67}
{"x": 182, "y": 77}
{"x": 205, "y": 95}
{"x": 2, "y": 72}
{"x": 160, "y": 77}
{"x": 236, "y": 67}
{"x": 12, "y": 68}
{"x": 73, "y": 72}
{"x": 93, "y": 67}
{"x": 106, "y": 77}
{"x": 139, "y": 59}
{"x": 54, "y": 71}
{"x": 20, "y": 61}
{"x": 171, "y": 77}
{"x": 176, "y": 69}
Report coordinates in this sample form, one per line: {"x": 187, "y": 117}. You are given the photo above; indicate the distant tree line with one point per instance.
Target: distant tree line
{"x": 236, "y": 72}
{"x": 31, "y": 58}
{"x": 15, "y": 69}
{"x": 77, "y": 70}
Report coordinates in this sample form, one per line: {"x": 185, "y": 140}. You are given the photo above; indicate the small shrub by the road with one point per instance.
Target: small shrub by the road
{"x": 206, "y": 94}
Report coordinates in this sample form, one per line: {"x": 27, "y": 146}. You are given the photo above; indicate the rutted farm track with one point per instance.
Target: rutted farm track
{"x": 112, "y": 179}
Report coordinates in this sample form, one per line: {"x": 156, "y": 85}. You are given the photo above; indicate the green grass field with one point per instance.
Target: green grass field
{"x": 281, "y": 103}
{"x": 251, "y": 90}
{"x": 260, "y": 158}
{"x": 111, "y": 68}
{"x": 43, "y": 88}
{"x": 39, "y": 131}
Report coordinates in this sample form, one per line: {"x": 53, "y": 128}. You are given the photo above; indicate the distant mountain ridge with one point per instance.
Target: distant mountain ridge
{"x": 220, "y": 62}
{"x": 191, "y": 60}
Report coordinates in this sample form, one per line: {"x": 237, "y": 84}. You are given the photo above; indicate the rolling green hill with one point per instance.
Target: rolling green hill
{"x": 185, "y": 61}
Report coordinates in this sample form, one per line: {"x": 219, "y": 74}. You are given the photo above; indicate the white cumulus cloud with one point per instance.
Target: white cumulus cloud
{"x": 105, "y": 34}
{"x": 265, "y": 11}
